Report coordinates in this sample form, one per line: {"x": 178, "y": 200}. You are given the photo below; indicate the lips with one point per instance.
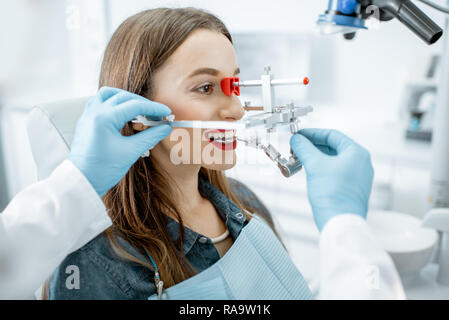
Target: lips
{"x": 222, "y": 139}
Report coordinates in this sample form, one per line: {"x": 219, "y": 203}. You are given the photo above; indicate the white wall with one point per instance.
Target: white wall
{"x": 50, "y": 50}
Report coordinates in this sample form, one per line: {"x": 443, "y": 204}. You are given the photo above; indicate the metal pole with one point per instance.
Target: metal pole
{"x": 4, "y": 191}
{"x": 439, "y": 191}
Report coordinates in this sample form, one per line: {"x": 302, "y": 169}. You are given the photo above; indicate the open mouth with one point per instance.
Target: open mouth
{"x": 222, "y": 139}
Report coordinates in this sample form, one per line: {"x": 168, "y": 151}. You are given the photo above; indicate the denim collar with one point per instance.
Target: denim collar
{"x": 226, "y": 208}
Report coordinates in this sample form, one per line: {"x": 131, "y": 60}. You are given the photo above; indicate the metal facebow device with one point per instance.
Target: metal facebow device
{"x": 272, "y": 117}
{"x": 269, "y": 117}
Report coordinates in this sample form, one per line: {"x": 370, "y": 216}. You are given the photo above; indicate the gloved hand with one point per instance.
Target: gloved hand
{"x": 339, "y": 173}
{"x": 99, "y": 150}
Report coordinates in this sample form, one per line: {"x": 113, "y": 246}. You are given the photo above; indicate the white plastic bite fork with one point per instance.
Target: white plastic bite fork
{"x": 269, "y": 121}
{"x": 170, "y": 120}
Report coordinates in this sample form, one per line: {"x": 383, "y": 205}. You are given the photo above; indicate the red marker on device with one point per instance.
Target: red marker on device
{"x": 228, "y": 86}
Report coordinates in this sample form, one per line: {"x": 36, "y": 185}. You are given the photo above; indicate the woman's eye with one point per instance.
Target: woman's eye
{"x": 206, "y": 89}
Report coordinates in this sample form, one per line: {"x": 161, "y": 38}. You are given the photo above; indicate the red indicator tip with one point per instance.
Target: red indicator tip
{"x": 228, "y": 88}
{"x": 306, "y": 81}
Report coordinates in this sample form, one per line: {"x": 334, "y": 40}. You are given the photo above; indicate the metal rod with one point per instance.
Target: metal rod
{"x": 274, "y": 82}
{"x": 247, "y": 108}
{"x": 439, "y": 189}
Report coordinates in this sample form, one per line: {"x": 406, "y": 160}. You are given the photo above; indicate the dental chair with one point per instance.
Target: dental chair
{"x": 50, "y": 130}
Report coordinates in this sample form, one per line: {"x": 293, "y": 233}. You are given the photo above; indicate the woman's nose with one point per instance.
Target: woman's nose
{"x": 233, "y": 110}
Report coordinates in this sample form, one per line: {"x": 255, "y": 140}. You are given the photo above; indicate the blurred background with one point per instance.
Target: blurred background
{"x": 379, "y": 89}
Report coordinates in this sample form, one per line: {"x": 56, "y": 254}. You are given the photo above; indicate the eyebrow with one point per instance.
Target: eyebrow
{"x": 210, "y": 71}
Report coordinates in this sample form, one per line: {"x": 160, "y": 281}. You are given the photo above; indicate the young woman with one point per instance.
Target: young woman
{"x": 176, "y": 217}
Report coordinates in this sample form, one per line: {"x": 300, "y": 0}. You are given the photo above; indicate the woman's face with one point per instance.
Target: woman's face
{"x": 189, "y": 84}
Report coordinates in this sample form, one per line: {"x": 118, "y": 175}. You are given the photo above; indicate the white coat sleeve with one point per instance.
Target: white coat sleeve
{"x": 42, "y": 225}
{"x": 353, "y": 265}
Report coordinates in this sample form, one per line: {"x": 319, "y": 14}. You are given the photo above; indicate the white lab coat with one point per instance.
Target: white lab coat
{"x": 50, "y": 219}
{"x": 43, "y": 224}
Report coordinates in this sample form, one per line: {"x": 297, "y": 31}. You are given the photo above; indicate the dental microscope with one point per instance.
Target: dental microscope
{"x": 350, "y": 16}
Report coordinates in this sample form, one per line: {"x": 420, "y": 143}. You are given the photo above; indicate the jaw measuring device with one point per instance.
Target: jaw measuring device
{"x": 271, "y": 118}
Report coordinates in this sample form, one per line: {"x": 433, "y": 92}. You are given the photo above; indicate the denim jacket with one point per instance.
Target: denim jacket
{"x": 102, "y": 274}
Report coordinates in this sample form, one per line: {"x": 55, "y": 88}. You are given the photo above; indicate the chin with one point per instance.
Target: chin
{"x": 219, "y": 167}
{"x": 222, "y": 165}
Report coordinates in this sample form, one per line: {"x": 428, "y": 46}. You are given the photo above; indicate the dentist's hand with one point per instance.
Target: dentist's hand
{"x": 99, "y": 150}
{"x": 339, "y": 173}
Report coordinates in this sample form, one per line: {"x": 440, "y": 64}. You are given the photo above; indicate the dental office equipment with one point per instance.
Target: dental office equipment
{"x": 349, "y": 16}
{"x": 269, "y": 120}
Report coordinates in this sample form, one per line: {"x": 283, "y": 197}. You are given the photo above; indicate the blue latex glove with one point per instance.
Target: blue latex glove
{"x": 339, "y": 173}
{"x": 99, "y": 150}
